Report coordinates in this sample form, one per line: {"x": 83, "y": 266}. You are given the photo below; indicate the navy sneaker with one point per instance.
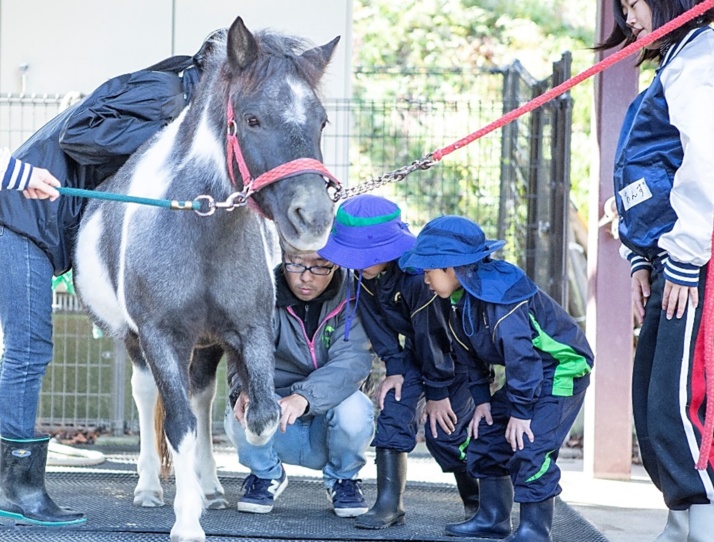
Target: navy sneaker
{"x": 347, "y": 498}
{"x": 260, "y": 493}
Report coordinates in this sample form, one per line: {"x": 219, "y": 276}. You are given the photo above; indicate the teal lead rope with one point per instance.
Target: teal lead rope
{"x": 175, "y": 205}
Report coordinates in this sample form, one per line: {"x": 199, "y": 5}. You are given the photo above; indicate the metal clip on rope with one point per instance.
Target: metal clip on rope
{"x": 236, "y": 199}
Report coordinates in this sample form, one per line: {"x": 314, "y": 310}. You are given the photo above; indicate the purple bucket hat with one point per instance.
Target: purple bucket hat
{"x": 367, "y": 231}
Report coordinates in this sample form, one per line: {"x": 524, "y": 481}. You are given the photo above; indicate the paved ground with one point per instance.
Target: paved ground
{"x": 624, "y": 511}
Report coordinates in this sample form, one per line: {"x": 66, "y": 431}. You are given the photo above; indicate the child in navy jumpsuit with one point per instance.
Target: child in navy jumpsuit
{"x": 664, "y": 189}
{"x": 501, "y": 317}
{"x": 369, "y": 236}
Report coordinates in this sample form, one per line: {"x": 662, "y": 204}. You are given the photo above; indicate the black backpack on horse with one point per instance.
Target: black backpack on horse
{"x": 89, "y": 141}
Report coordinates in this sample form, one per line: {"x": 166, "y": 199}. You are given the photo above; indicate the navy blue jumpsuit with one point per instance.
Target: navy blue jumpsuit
{"x": 397, "y": 304}
{"x": 547, "y": 363}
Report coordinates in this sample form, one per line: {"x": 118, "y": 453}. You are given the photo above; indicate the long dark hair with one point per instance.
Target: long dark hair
{"x": 663, "y": 11}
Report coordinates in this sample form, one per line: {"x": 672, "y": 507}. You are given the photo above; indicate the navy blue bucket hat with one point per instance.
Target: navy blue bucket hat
{"x": 455, "y": 241}
{"x": 449, "y": 241}
{"x": 367, "y": 231}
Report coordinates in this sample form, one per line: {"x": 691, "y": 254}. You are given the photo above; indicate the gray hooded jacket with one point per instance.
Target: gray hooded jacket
{"x": 323, "y": 368}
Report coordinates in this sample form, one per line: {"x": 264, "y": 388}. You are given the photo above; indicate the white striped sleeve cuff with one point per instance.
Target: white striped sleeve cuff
{"x": 637, "y": 263}
{"x": 17, "y": 175}
{"x": 683, "y": 274}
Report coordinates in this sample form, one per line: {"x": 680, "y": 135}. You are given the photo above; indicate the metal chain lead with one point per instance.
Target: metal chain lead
{"x": 239, "y": 199}
{"x": 392, "y": 177}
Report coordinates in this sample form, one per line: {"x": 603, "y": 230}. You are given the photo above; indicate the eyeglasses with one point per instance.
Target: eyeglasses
{"x": 291, "y": 267}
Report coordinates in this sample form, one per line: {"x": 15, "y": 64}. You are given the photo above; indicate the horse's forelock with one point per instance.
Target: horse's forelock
{"x": 279, "y": 55}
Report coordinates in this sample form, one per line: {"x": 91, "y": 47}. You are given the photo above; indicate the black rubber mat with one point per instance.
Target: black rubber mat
{"x": 302, "y": 513}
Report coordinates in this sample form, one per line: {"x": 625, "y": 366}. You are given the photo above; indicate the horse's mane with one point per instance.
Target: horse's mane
{"x": 280, "y": 54}
{"x": 213, "y": 50}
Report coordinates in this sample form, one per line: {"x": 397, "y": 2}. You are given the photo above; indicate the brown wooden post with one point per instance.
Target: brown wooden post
{"x": 608, "y": 412}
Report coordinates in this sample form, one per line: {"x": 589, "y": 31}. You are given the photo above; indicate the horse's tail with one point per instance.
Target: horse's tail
{"x": 162, "y": 447}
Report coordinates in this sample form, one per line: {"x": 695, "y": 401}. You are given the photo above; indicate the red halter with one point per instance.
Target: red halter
{"x": 283, "y": 171}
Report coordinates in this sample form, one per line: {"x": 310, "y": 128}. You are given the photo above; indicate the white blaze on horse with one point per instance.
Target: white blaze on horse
{"x": 180, "y": 289}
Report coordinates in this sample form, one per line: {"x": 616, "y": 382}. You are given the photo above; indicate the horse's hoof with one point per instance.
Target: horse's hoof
{"x": 148, "y": 499}
{"x": 189, "y": 538}
{"x": 216, "y": 501}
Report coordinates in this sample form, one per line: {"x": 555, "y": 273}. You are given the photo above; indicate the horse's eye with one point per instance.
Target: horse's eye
{"x": 324, "y": 124}
{"x": 252, "y": 121}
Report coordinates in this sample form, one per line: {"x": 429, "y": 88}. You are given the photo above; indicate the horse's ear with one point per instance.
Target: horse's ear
{"x": 320, "y": 56}
{"x": 242, "y": 47}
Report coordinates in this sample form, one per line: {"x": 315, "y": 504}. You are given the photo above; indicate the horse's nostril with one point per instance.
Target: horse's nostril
{"x": 298, "y": 213}
{"x": 309, "y": 217}
{"x": 303, "y": 218}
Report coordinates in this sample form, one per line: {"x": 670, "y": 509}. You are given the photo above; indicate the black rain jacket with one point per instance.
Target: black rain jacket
{"x": 89, "y": 142}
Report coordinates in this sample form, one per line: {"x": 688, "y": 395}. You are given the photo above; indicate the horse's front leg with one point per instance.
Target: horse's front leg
{"x": 148, "y": 491}
{"x": 203, "y": 390}
{"x": 254, "y": 346}
{"x": 168, "y": 353}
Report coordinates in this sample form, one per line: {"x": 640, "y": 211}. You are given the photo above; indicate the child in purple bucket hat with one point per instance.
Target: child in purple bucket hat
{"x": 369, "y": 236}
{"x": 500, "y": 317}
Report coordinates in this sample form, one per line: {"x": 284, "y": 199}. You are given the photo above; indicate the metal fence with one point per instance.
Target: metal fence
{"x": 514, "y": 182}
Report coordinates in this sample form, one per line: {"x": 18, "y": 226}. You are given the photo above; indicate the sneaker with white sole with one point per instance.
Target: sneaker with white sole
{"x": 260, "y": 493}
{"x": 347, "y": 498}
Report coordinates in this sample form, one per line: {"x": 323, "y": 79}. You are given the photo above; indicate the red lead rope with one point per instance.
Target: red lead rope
{"x": 706, "y": 336}
{"x": 705, "y": 348}
{"x": 675, "y": 23}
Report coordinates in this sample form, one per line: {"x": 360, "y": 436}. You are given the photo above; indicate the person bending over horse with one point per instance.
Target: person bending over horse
{"x": 370, "y": 236}
{"x": 322, "y": 357}
{"x": 35, "y": 182}
{"x": 82, "y": 146}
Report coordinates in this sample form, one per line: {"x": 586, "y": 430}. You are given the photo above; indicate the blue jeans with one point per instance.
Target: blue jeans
{"x": 26, "y": 321}
{"x": 334, "y": 442}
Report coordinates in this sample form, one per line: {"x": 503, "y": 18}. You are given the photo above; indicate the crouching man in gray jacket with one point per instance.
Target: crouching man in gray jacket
{"x": 322, "y": 357}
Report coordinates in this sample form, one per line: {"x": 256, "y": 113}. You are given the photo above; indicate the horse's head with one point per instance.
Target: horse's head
{"x": 278, "y": 119}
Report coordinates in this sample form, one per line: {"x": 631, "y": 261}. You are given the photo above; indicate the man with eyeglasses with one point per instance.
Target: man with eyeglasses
{"x": 322, "y": 357}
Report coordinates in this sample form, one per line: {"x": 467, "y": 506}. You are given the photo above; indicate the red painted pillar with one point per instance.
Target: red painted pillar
{"x": 608, "y": 412}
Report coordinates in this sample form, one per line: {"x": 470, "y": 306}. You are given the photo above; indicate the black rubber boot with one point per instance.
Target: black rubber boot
{"x": 388, "y": 510}
{"x": 469, "y": 491}
{"x": 493, "y": 519}
{"x": 536, "y": 522}
{"x": 23, "y": 496}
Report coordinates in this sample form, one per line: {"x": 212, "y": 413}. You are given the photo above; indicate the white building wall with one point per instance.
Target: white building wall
{"x": 60, "y": 46}
{"x": 54, "y": 46}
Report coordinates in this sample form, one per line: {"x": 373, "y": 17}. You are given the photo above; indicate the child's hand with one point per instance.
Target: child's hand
{"x": 393, "y": 382}
{"x": 640, "y": 292}
{"x": 440, "y": 412}
{"x": 515, "y": 430}
{"x": 482, "y": 412}
{"x": 675, "y": 297}
{"x": 42, "y": 185}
